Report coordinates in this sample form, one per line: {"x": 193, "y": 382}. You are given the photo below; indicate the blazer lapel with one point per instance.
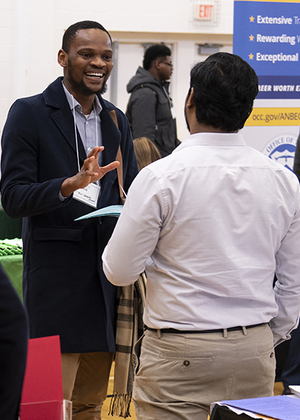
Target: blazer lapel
{"x": 111, "y": 137}
{"x": 62, "y": 116}
{"x": 66, "y": 125}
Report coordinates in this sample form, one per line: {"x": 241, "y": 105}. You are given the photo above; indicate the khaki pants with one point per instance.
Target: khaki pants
{"x": 85, "y": 382}
{"x": 180, "y": 375}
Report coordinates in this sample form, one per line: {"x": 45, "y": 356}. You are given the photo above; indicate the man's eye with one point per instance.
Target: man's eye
{"x": 107, "y": 57}
{"x": 86, "y": 55}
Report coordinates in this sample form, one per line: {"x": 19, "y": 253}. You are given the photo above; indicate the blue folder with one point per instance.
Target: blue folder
{"x": 105, "y": 211}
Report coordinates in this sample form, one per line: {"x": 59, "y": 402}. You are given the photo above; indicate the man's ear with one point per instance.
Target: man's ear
{"x": 157, "y": 64}
{"x": 62, "y": 58}
{"x": 190, "y": 98}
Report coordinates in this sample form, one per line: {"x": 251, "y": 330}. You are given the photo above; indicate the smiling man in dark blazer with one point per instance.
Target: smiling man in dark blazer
{"x": 52, "y": 146}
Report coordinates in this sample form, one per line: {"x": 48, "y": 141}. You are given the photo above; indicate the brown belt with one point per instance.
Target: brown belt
{"x": 220, "y": 330}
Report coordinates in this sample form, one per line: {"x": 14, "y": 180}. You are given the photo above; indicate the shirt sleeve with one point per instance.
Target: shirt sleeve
{"x": 287, "y": 286}
{"x": 137, "y": 231}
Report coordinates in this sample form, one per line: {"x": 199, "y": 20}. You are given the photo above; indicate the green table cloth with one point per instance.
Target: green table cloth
{"x": 11, "y": 258}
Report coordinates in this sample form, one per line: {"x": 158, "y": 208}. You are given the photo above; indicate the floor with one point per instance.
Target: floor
{"x": 278, "y": 388}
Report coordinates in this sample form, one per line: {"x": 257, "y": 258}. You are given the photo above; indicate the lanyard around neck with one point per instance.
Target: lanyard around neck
{"x": 76, "y": 136}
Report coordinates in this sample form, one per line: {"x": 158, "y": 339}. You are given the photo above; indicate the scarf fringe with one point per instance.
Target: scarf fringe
{"x": 120, "y": 405}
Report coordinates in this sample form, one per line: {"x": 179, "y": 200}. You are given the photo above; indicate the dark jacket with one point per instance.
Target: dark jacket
{"x": 65, "y": 290}
{"x": 149, "y": 111}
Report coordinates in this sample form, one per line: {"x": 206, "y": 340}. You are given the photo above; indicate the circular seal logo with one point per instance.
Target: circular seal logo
{"x": 281, "y": 149}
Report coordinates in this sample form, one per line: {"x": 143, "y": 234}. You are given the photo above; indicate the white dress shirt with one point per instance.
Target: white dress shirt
{"x": 210, "y": 224}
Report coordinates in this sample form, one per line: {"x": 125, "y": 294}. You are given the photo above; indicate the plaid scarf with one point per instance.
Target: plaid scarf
{"x": 130, "y": 306}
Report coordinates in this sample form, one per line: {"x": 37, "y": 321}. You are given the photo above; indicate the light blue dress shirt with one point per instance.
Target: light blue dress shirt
{"x": 89, "y": 126}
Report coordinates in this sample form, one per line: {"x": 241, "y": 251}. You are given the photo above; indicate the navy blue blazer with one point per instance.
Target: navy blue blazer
{"x": 65, "y": 289}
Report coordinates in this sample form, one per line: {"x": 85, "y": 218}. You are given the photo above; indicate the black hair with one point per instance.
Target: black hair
{"x": 153, "y": 52}
{"x": 70, "y": 33}
{"x": 225, "y": 87}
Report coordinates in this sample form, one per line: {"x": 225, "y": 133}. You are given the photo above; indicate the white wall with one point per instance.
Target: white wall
{"x": 31, "y": 32}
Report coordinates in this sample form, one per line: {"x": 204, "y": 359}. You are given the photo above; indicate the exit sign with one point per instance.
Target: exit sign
{"x": 203, "y": 11}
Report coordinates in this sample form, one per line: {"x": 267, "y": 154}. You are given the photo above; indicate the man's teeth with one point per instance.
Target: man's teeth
{"x": 95, "y": 74}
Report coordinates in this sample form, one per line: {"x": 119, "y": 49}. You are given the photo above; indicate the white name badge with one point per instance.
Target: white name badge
{"x": 173, "y": 112}
{"x": 88, "y": 195}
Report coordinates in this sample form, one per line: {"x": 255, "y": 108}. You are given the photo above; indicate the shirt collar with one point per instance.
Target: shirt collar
{"x": 73, "y": 103}
{"x": 212, "y": 139}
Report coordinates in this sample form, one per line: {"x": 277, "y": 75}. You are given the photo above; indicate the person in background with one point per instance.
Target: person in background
{"x": 13, "y": 348}
{"x": 56, "y": 148}
{"x": 145, "y": 151}
{"x": 150, "y": 109}
{"x": 210, "y": 225}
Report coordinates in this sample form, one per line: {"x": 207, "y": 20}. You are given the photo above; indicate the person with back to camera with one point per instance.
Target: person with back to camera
{"x": 212, "y": 223}
{"x": 150, "y": 109}
{"x": 55, "y": 144}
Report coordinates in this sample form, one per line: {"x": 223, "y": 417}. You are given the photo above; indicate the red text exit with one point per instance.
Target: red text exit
{"x": 204, "y": 11}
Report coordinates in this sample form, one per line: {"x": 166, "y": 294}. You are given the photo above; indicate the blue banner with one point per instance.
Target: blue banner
{"x": 279, "y": 87}
{"x": 267, "y": 36}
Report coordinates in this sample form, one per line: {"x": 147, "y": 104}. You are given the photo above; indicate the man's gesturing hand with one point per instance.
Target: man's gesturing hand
{"x": 89, "y": 172}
